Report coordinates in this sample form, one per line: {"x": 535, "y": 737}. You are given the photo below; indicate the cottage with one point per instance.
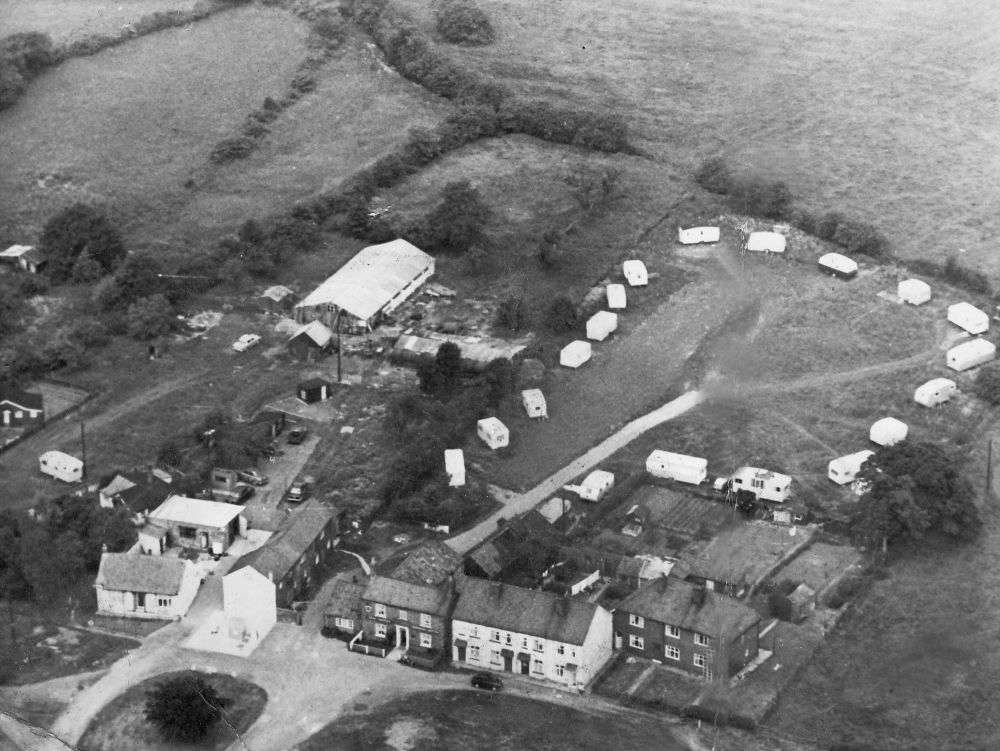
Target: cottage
{"x": 142, "y": 586}
{"x": 575, "y": 354}
{"x": 454, "y": 467}
{"x": 534, "y": 404}
{"x": 913, "y": 291}
{"x": 616, "y": 296}
{"x": 683, "y": 625}
{"x": 61, "y": 466}
{"x": 205, "y": 526}
{"x": 24, "y": 257}
{"x": 766, "y": 242}
{"x": 313, "y": 390}
{"x": 936, "y": 391}
{"x": 969, "y": 318}
{"x": 695, "y": 235}
{"x": 844, "y": 469}
{"x": 763, "y": 483}
{"x": 688, "y": 469}
{"x": 493, "y": 432}
{"x": 342, "y": 616}
{"x": 838, "y": 265}
{"x": 368, "y": 287}
{"x": 635, "y": 273}
{"x": 601, "y": 325}
{"x": 970, "y": 354}
{"x": 509, "y": 629}
{"x": 21, "y": 409}
{"x": 888, "y": 431}
{"x": 413, "y": 618}
{"x": 311, "y": 341}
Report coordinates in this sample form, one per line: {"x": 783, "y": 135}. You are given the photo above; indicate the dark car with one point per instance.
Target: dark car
{"x": 488, "y": 681}
{"x": 297, "y": 435}
{"x": 253, "y": 477}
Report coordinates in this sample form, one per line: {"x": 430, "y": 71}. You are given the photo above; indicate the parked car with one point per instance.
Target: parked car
{"x": 296, "y": 492}
{"x": 246, "y": 341}
{"x": 253, "y": 477}
{"x": 297, "y": 434}
{"x": 487, "y": 681}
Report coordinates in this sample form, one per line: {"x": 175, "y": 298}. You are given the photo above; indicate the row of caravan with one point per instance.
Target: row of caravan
{"x": 693, "y": 470}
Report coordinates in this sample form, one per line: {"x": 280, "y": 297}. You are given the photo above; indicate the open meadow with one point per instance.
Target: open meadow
{"x": 69, "y": 20}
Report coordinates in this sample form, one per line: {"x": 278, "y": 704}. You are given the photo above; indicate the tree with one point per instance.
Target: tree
{"x": 513, "y": 313}
{"x": 987, "y": 385}
{"x": 150, "y": 317}
{"x": 138, "y": 276}
{"x": 457, "y": 222}
{"x": 713, "y": 175}
{"x": 592, "y": 188}
{"x": 76, "y": 230}
{"x": 12, "y": 309}
{"x": 501, "y": 381}
{"x": 561, "y": 315}
{"x": 459, "y": 22}
{"x": 443, "y": 377}
{"x": 184, "y": 707}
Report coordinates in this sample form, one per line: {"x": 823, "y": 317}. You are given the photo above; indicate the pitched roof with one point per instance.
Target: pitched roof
{"x": 417, "y": 597}
{"x": 371, "y": 279}
{"x": 742, "y": 554}
{"x": 313, "y": 383}
{"x": 139, "y": 490}
{"x": 285, "y": 547}
{"x": 522, "y": 539}
{"x": 316, "y": 332}
{"x": 128, "y": 572}
{"x": 346, "y": 597}
{"x": 15, "y": 251}
{"x": 675, "y": 602}
{"x": 431, "y": 563}
{"x": 179, "y": 508}
{"x": 526, "y": 611}
{"x": 278, "y": 293}
{"x": 23, "y": 399}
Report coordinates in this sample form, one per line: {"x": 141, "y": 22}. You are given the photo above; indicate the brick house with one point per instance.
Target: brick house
{"x": 414, "y": 618}
{"x": 685, "y": 625}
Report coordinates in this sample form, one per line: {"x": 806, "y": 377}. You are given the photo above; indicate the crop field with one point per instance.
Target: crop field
{"x": 67, "y": 20}
{"x": 882, "y": 110}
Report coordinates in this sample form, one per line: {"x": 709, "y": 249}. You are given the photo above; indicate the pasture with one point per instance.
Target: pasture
{"x": 67, "y": 21}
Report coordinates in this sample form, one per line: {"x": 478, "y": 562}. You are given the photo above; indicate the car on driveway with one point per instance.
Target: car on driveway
{"x": 297, "y": 434}
{"x": 253, "y": 477}
{"x": 246, "y": 341}
{"x": 296, "y": 492}
{"x": 487, "y": 681}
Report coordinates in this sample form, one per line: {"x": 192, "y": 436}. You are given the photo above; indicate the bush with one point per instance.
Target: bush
{"x": 561, "y": 315}
{"x": 461, "y": 22}
{"x": 138, "y": 276}
{"x": 714, "y": 176}
{"x": 89, "y": 332}
{"x": 230, "y": 149}
{"x": 184, "y": 708}
{"x": 254, "y": 128}
{"x": 859, "y": 237}
{"x": 780, "y": 606}
{"x": 757, "y": 197}
{"x": 987, "y": 385}
{"x": 513, "y": 313}
{"x": 77, "y": 230}
{"x": 805, "y": 221}
{"x": 827, "y": 225}
{"x": 303, "y": 83}
{"x": 150, "y": 317}
{"x": 22, "y": 57}
{"x": 31, "y": 285}
{"x": 86, "y": 270}
{"x": 954, "y": 272}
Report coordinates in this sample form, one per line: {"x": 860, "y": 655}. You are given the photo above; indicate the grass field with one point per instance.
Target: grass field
{"x": 67, "y": 20}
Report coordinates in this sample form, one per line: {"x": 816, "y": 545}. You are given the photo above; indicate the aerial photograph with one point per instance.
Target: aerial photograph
{"x": 501, "y": 375}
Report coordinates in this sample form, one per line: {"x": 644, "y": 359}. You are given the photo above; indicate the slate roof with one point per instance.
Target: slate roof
{"x": 23, "y": 399}
{"x": 346, "y": 598}
{"x": 127, "y": 572}
{"x": 285, "y": 547}
{"x": 672, "y": 601}
{"x": 522, "y": 540}
{"x": 431, "y": 563}
{"x": 525, "y": 611}
{"x": 416, "y": 597}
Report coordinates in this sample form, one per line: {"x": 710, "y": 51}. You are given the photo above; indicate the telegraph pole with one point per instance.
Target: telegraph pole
{"x": 337, "y": 325}
{"x": 83, "y": 450}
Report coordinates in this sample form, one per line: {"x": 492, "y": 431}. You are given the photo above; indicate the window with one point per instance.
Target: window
{"x": 572, "y": 653}
{"x": 473, "y": 653}
{"x": 322, "y": 533}
{"x": 494, "y": 635}
{"x": 508, "y": 638}
{"x": 425, "y": 620}
{"x": 673, "y": 653}
{"x": 538, "y": 667}
{"x": 559, "y": 670}
{"x": 188, "y": 533}
{"x": 524, "y": 642}
{"x": 343, "y": 622}
{"x": 699, "y": 660}
{"x": 701, "y": 640}
{"x": 317, "y": 559}
{"x": 329, "y": 543}
{"x": 403, "y": 615}
{"x": 672, "y": 632}
{"x": 163, "y": 602}
{"x": 379, "y": 611}
{"x": 636, "y": 620}
{"x": 539, "y": 645}
{"x": 495, "y": 657}
{"x": 426, "y": 641}
{"x": 561, "y": 649}
{"x": 380, "y": 630}
{"x": 636, "y": 641}
{"x": 474, "y": 632}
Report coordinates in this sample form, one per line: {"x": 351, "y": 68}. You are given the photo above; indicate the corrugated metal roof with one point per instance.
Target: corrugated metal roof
{"x": 127, "y": 572}
{"x": 319, "y": 334}
{"x": 195, "y": 511}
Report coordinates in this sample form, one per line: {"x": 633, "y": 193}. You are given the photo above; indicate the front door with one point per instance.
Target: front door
{"x": 524, "y": 667}
{"x": 507, "y": 663}
{"x": 402, "y": 637}
{"x": 461, "y": 654}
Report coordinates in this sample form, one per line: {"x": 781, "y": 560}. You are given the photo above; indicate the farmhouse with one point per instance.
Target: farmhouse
{"x": 970, "y": 354}
{"x": 515, "y": 630}
{"x": 342, "y": 616}
{"x": 969, "y": 318}
{"x": 575, "y": 354}
{"x": 689, "y": 627}
{"x": 601, "y": 325}
{"x": 616, "y": 296}
{"x": 635, "y": 273}
{"x": 913, "y": 291}
{"x": 888, "y": 431}
{"x": 934, "y": 392}
{"x": 454, "y": 467}
{"x": 695, "y": 235}
{"x": 838, "y": 265}
{"x": 534, "y": 403}
{"x": 690, "y": 469}
{"x": 21, "y": 409}
{"x": 493, "y": 432}
{"x": 844, "y": 469}
{"x": 313, "y": 390}
{"x": 25, "y": 257}
{"x": 368, "y": 287}
{"x": 191, "y": 523}
{"x": 766, "y": 242}
{"x": 763, "y": 483}
{"x": 61, "y": 466}
{"x": 143, "y": 586}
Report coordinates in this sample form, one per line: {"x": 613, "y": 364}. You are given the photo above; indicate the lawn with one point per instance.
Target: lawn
{"x": 68, "y": 20}
{"x": 121, "y": 725}
{"x": 462, "y": 720}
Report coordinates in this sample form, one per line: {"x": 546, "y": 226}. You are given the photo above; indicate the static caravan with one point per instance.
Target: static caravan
{"x": 935, "y": 392}
{"x": 635, "y": 273}
{"x": 844, "y": 469}
{"x": 970, "y": 354}
{"x": 968, "y": 317}
{"x": 493, "y": 432}
{"x": 575, "y": 354}
{"x": 763, "y": 483}
{"x": 601, "y": 325}
{"x": 61, "y": 466}
{"x": 690, "y": 469}
{"x": 695, "y": 235}
{"x": 888, "y": 431}
{"x": 454, "y": 467}
{"x": 766, "y": 242}
{"x": 616, "y": 296}
{"x": 913, "y": 291}
{"x": 596, "y": 485}
{"x": 534, "y": 403}
{"x": 838, "y": 265}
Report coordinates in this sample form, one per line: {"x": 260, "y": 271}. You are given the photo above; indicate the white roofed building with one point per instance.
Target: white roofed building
{"x": 207, "y": 526}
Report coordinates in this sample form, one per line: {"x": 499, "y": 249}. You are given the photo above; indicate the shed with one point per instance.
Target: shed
{"x": 313, "y": 390}
{"x": 596, "y": 485}
{"x": 601, "y": 324}
{"x": 575, "y": 354}
{"x": 680, "y": 467}
{"x": 635, "y": 273}
{"x": 25, "y": 257}
{"x": 493, "y": 432}
{"x": 310, "y": 341}
{"x": 888, "y": 431}
{"x": 968, "y": 317}
{"x": 934, "y": 392}
{"x": 279, "y": 299}
{"x": 61, "y": 466}
{"x": 553, "y": 509}
{"x": 21, "y": 409}
{"x": 838, "y": 265}
{"x": 766, "y": 242}
{"x": 913, "y": 291}
{"x": 454, "y": 467}
{"x": 616, "y": 296}
{"x": 970, "y": 354}
{"x": 844, "y": 469}
{"x": 695, "y": 235}
{"x": 534, "y": 403}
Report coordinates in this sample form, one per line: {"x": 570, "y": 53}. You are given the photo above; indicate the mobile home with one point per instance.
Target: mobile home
{"x": 838, "y": 265}
{"x": 766, "y": 242}
{"x": 970, "y": 354}
{"x": 888, "y": 431}
{"x": 934, "y": 392}
{"x": 601, "y": 325}
{"x": 844, "y": 469}
{"x": 575, "y": 354}
{"x": 454, "y": 467}
{"x": 695, "y": 235}
{"x": 61, "y": 466}
{"x": 763, "y": 483}
{"x": 913, "y": 291}
{"x": 690, "y": 469}
{"x": 969, "y": 318}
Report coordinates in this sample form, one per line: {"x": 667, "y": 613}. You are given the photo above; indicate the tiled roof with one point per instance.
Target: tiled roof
{"x": 417, "y": 597}
{"x": 285, "y": 547}
{"x": 526, "y": 611}
{"x": 741, "y": 554}
{"x": 127, "y": 572}
{"x": 675, "y": 602}
{"x": 346, "y": 598}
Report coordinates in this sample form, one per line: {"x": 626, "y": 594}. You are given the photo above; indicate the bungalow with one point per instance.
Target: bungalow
{"x": 509, "y": 629}
{"x": 21, "y": 409}
{"x": 763, "y": 483}
{"x": 144, "y": 586}
{"x": 205, "y": 526}
{"x": 684, "y": 625}
{"x": 310, "y": 342}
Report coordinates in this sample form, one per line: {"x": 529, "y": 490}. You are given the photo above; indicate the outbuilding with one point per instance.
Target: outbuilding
{"x": 695, "y": 235}
{"x": 575, "y": 354}
{"x": 635, "y": 273}
{"x": 934, "y": 392}
{"x": 838, "y": 265}
{"x": 970, "y": 354}
{"x": 454, "y": 467}
{"x": 680, "y": 467}
{"x": 310, "y": 341}
{"x": 61, "y": 466}
{"x": 534, "y": 403}
{"x": 200, "y": 525}
{"x": 844, "y": 469}
{"x": 601, "y": 325}
{"x": 493, "y": 432}
{"x": 969, "y": 318}
{"x": 913, "y": 291}
{"x": 132, "y": 585}
{"x": 766, "y": 242}
{"x": 21, "y": 409}
{"x": 25, "y": 257}
{"x": 616, "y": 296}
{"x": 313, "y": 390}
{"x": 888, "y": 431}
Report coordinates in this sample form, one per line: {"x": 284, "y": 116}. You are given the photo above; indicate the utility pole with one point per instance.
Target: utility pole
{"x": 337, "y": 326}
{"x": 989, "y": 465}
{"x": 83, "y": 450}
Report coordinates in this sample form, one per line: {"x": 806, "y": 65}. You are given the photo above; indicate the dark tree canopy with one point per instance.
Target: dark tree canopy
{"x": 987, "y": 385}
{"x": 444, "y": 376}
{"x": 458, "y": 221}
{"x": 138, "y": 276}
{"x": 76, "y": 230}
{"x": 183, "y": 708}
{"x": 561, "y": 315}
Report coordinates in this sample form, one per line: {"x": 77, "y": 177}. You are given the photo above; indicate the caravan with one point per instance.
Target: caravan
{"x": 690, "y": 469}
{"x": 61, "y": 466}
{"x": 601, "y": 325}
{"x": 635, "y": 273}
{"x": 935, "y": 392}
{"x": 969, "y": 318}
{"x": 838, "y": 265}
{"x": 913, "y": 291}
{"x": 844, "y": 469}
{"x": 970, "y": 354}
{"x": 695, "y": 235}
{"x": 888, "y": 431}
{"x": 766, "y": 242}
